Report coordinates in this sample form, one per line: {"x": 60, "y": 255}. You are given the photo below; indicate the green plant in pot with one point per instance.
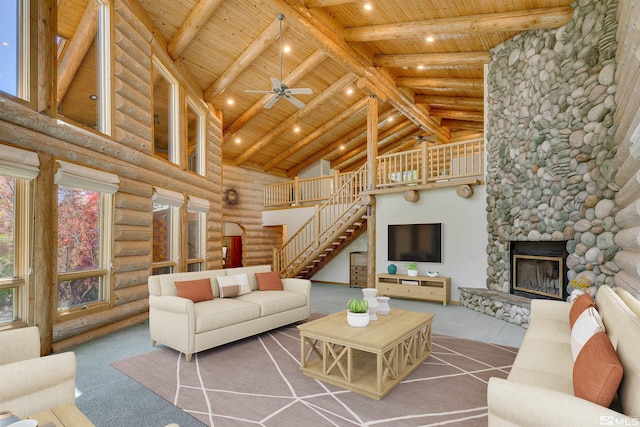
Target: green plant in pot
{"x": 358, "y": 312}
{"x": 412, "y": 269}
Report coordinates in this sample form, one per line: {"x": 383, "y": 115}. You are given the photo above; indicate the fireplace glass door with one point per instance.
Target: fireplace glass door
{"x": 539, "y": 275}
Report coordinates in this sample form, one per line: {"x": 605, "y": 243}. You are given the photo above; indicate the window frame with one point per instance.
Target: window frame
{"x": 200, "y": 168}
{"x": 201, "y": 207}
{"x": 23, "y": 51}
{"x": 174, "y": 139}
{"x": 175, "y": 202}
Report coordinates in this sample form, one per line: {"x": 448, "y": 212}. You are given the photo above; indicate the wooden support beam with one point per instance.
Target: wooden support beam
{"x": 462, "y": 124}
{"x": 332, "y": 91}
{"x": 356, "y": 136}
{"x": 326, "y": 3}
{"x": 78, "y": 47}
{"x": 329, "y": 34}
{"x": 462, "y": 103}
{"x": 344, "y": 115}
{"x": 308, "y": 65}
{"x": 372, "y": 142}
{"x": 191, "y": 26}
{"x": 242, "y": 62}
{"x": 432, "y": 59}
{"x": 515, "y": 21}
{"x": 440, "y": 83}
{"x": 472, "y": 116}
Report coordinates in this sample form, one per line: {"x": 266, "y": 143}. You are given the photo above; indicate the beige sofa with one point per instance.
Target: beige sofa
{"x": 29, "y": 383}
{"x": 539, "y": 389}
{"x": 191, "y": 327}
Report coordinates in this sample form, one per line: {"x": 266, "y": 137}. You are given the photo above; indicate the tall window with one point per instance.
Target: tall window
{"x": 85, "y": 218}
{"x": 18, "y": 169}
{"x": 166, "y": 230}
{"x": 165, "y": 118}
{"x": 84, "y": 76}
{"x": 196, "y": 131}
{"x": 14, "y": 47}
{"x": 196, "y": 233}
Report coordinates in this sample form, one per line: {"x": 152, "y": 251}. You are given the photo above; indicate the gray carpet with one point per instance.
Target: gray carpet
{"x": 110, "y": 398}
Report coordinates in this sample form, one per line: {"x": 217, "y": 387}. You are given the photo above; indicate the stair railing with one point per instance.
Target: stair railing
{"x": 322, "y": 223}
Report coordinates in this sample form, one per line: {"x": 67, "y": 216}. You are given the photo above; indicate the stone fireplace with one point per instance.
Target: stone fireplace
{"x": 539, "y": 269}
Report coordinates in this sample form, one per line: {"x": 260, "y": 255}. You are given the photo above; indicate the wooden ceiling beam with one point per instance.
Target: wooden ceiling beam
{"x": 472, "y": 116}
{"x": 432, "y": 59}
{"x": 344, "y": 115}
{"x": 290, "y": 80}
{"x": 515, "y": 21}
{"x": 191, "y": 26}
{"x": 242, "y": 62}
{"x": 329, "y": 34}
{"x": 463, "y": 124}
{"x": 462, "y": 103}
{"x": 331, "y": 91}
{"x": 326, "y": 3}
{"x": 77, "y": 49}
{"x": 358, "y": 136}
{"x": 440, "y": 83}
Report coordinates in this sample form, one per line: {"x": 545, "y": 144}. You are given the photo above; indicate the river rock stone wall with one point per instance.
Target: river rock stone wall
{"x": 550, "y": 144}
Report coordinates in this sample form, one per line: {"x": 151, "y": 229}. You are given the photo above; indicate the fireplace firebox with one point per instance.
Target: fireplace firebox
{"x": 538, "y": 269}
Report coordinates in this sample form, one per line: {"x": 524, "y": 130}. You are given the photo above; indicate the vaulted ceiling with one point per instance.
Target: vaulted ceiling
{"x": 345, "y": 52}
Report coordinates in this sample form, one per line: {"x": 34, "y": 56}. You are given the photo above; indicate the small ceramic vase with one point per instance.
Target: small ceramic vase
{"x": 392, "y": 269}
{"x": 383, "y": 306}
{"x": 370, "y": 296}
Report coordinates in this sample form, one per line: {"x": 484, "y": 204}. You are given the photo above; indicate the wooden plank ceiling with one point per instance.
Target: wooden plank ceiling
{"x": 344, "y": 52}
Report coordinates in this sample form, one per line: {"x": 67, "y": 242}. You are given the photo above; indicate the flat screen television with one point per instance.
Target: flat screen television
{"x": 415, "y": 242}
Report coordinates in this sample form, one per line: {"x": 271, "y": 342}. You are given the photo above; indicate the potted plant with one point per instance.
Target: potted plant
{"x": 412, "y": 269}
{"x": 358, "y": 312}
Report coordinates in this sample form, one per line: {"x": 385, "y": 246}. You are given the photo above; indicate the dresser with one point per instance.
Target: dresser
{"x": 358, "y": 269}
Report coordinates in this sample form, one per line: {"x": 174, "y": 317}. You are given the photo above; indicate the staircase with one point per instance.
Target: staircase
{"x": 335, "y": 224}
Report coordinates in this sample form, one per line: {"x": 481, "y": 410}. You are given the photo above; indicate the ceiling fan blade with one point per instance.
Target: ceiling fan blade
{"x": 259, "y": 91}
{"x": 295, "y": 101}
{"x": 272, "y": 102}
{"x": 300, "y": 91}
{"x": 276, "y": 84}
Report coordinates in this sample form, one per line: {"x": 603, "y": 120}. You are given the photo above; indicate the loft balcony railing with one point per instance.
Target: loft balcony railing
{"x": 424, "y": 165}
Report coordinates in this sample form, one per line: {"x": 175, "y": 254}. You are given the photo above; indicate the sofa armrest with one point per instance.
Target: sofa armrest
{"x": 19, "y": 344}
{"x": 33, "y": 385}
{"x": 302, "y": 286}
{"x": 517, "y": 404}
{"x": 549, "y": 309}
{"x": 172, "y": 304}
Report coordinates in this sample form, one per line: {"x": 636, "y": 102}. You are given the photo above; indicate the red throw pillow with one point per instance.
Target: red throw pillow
{"x": 579, "y": 305}
{"x": 195, "y": 290}
{"x": 269, "y": 281}
{"x": 597, "y": 371}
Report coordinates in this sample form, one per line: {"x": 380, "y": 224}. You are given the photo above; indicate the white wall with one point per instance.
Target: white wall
{"x": 337, "y": 270}
{"x": 291, "y": 218}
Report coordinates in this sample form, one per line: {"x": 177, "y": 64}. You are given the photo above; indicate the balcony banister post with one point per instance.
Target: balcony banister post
{"x": 425, "y": 162}
{"x": 296, "y": 191}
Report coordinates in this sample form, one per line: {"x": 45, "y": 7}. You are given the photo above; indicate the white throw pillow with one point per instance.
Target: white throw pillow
{"x": 231, "y": 286}
{"x": 587, "y": 325}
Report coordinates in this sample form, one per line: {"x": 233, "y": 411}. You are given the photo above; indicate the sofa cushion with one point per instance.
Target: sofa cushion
{"x": 272, "y": 302}
{"x": 232, "y": 286}
{"x": 579, "y": 305}
{"x": 546, "y": 357}
{"x": 250, "y": 272}
{"x": 195, "y": 290}
{"x": 597, "y": 372}
{"x": 269, "y": 281}
{"x": 223, "y": 312}
{"x": 587, "y": 325}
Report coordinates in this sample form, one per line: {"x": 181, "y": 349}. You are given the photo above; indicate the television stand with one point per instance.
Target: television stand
{"x": 422, "y": 288}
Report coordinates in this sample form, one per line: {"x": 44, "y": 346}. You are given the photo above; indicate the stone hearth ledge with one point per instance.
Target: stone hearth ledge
{"x": 510, "y": 308}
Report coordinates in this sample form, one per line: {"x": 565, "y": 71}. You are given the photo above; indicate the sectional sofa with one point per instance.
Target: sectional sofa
{"x": 196, "y": 311}
{"x": 573, "y": 350}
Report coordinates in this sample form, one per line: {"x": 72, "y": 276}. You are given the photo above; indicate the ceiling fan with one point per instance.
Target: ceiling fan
{"x": 279, "y": 89}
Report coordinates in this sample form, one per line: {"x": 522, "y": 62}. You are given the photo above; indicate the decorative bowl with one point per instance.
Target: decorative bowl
{"x": 432, "y": 273}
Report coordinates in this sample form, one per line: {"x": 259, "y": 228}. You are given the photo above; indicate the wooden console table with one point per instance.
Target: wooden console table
{"x": 67, "y": 415}
{"x": 370, "y": 361}
{"x": 415, "y": 287}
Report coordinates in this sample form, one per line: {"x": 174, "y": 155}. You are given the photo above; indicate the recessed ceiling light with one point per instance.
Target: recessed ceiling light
{"x": 93, "y": 97}
{"x": 390, "y": 119}
{"x": 368, "y": 6}
{"x": 350, "y": 91}
{"x": 238, "y": 141}
{"x": 430, "y": 39}
{"x": 230, "y": 101}
{"x": 296, "y": 129}
{"x": 342, "y": 147}
{"x": 286, "y": 49}
{"x": 420, "y": 67}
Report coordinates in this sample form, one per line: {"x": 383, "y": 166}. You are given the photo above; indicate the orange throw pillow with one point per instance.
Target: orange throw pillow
{"x": 597, "y": 372}
{"x": 579, "y": 305}
{"x": 269, "y": 281}
{"x": 195, "y": 290}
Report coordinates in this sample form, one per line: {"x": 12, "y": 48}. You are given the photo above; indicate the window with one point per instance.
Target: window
{"x": 196, "y": 132}
{"x": 84, "y": 67}
{"x": 18, "y": 169}
{"x": 85, "y": 218}
{"x": 196, "y": 233}
{"x": 165, "y": 118}
{"x": 14, "y": 48}
{"x": 166, "y": 230}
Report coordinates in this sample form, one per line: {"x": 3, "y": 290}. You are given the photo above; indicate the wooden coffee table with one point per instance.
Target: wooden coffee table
{"x": 370, "y": 361}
